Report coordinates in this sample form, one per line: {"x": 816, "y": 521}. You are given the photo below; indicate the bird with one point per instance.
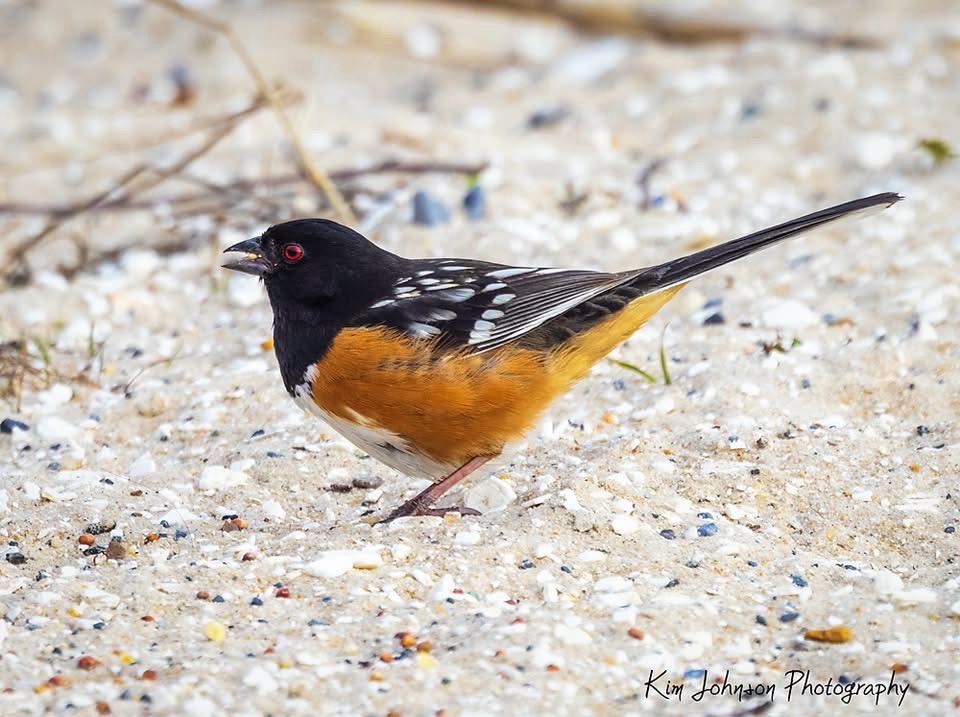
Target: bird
{"x": 433, "y": 366}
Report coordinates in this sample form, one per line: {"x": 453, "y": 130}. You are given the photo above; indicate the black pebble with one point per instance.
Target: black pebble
{"x": 668, "y": 534}
{"x": 525, "y": 564}
{"x": 8, "y": 424}
{"x": 256, "y": 601}
{"x": 547, "y": 117}
{"x": 714, "y": 320}
{"x": 921, "y": 430}
{"x": 16, "y": 558}
{"x": 475, "y": 203}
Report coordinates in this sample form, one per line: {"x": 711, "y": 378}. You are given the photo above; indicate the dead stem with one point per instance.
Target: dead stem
{"x": 120, "y": 191}
{"x": 246, "y": 185}
{"x": 319, "y": 178}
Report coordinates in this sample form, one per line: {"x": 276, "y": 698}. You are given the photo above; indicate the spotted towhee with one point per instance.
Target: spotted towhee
{"x": 433, "y": 365}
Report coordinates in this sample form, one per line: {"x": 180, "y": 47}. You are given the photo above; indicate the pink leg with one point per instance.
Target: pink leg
{"x": 422, "y": 503}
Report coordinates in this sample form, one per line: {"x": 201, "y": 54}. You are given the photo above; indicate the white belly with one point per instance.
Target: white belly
{"x": 384, "y": 445}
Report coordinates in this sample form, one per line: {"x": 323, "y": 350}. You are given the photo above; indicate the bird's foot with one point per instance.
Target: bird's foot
{"x": 413, "y": 508}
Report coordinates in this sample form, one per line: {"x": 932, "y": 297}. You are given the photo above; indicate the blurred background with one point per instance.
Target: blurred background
{"x": 639, "y": 120}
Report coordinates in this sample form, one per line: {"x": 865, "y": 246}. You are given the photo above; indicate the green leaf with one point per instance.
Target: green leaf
{"x": 636, "y": 369}
{"x": 663, "y": 359}
{"x": 938, "y": 150}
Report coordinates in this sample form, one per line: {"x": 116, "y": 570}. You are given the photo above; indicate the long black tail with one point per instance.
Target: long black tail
{"x": 687, "y": 267}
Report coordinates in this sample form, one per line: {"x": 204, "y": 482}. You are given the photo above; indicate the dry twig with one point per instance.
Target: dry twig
{"x": 118, "y": 191}
{"x": 626, "y": 17}
{"x": 319, "y": 178}
{"x": 246, "y": 185}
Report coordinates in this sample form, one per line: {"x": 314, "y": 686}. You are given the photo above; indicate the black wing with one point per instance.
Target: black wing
{"x": 482, "y": 305}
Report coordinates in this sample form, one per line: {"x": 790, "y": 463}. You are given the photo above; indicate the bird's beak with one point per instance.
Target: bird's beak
{"x": 253, "y": 260}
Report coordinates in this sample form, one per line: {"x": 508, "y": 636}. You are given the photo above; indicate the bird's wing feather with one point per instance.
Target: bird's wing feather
{"x": 481, "y": 306}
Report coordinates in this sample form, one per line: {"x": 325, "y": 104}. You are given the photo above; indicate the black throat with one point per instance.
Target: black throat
{"x": 304, "y": 330}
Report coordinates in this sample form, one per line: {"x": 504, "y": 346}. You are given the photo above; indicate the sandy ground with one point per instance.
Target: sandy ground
{"x": 800, "y": 472}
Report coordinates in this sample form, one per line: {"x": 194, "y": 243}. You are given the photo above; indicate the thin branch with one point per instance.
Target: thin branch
{"x": 668, "y": 25}
{"x": 16, "y": 255}
{"x": 246, "y": 185}
{"x": 319, "y": 178}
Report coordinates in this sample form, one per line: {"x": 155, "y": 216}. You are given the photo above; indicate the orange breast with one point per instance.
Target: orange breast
{"x": 456, "y": 406}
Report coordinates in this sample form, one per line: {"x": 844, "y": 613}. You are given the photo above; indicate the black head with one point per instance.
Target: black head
{"x": 314, "y": 262}
{"x": 319, "y": 275}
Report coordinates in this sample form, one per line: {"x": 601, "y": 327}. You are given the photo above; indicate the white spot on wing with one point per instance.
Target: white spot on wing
{"x": 442, "y": 315}
{"x": 544, "y": 272}
{"x": 426, "y": 272}
{"x": 511, "y": 271}
{"x": 461, "y": 293}
{"x": 483, "y": 325}
{"x": 454, "y": 268}
{"x": 502, "y": 299}
{"x": 491, "y": 314}
{"x": 440, "y": 287}
{"x": 494, "y": 286}
{"x": 380, "y": 304}
{"x": 421, "y": 329}
{"x": 428, "y": 282}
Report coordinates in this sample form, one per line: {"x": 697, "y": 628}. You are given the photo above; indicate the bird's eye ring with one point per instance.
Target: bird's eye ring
{"x": 293, "y": 252}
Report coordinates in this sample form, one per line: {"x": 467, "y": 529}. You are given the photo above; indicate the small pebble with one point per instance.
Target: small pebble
{"x": 798, "y": 581}
{"x": 116, "y": 550}
{"x": 100, "y": 528}
{"x": 789, "y": 616}
{"x": 86, "y": 662}
{"x": 525, "y": 564}
{"x": 547, "y": 117}
{"x": 836, "y": 634}
{"x": 636, "y": 633}
{"x": 715, "y": 319}
{"x": 16, "y": 558}
{"x": 367, "y": 482}
{"x": 475, "y": 203}
{"x": 257, "y": 601}
{"x": 707, "y": 529}
{"x": 429, "y": 211}
{"x": 668, "y": 534}
{"x": 7, "y": 425}
{"x": 761, "y": 620}
{"x": 215, "y": 631}
{"x": 624, "y": 524}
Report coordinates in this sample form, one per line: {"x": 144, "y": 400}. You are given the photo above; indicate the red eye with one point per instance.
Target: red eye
{"x": 293, "y": 252}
